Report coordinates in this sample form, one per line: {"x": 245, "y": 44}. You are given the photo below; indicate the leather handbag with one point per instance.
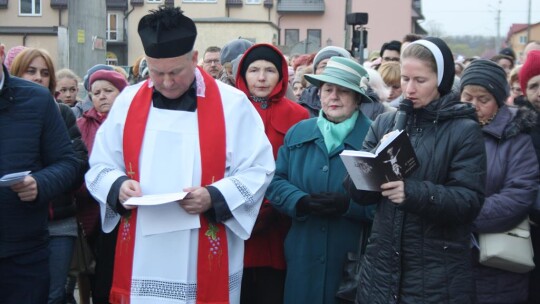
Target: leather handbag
{"x": 511, "y": 250}
{"x": 346, "y": 292}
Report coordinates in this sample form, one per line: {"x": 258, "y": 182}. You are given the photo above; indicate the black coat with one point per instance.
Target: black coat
{"x": 32, "y": 137}
{"x": 419, "y": 251}
{"x": 63, "y": 206}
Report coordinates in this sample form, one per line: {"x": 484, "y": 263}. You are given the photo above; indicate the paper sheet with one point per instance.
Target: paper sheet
{"x": 155, "y": 199}
{"x": 13, "y": 178}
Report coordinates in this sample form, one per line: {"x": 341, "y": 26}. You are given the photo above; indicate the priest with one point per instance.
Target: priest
{"x": 179, "y": 131}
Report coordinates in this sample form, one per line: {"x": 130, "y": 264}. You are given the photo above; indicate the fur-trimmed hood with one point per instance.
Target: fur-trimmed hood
{"x": 511, "y": 121}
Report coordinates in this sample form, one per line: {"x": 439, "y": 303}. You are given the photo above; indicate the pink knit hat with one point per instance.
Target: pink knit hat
{"x": 116, "y": 79}
{"x": 10, "y": 55}
{"x": 530, "y": 68}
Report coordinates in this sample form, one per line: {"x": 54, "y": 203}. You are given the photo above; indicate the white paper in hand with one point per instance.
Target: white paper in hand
{"x": 155, "y": 199}
{"x": 13, "y": 178}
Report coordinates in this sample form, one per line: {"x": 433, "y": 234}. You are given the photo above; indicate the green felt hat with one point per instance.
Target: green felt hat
{"x": 343, "y": 72}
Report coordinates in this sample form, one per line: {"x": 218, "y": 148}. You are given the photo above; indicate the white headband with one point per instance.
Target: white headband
{"x": 432, "y": 47}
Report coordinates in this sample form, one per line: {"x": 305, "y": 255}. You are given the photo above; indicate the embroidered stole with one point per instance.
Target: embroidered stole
{"x": 212, "y": 253}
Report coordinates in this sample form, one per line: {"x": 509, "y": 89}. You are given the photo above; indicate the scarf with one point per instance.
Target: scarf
{"x": 334, "y": 133}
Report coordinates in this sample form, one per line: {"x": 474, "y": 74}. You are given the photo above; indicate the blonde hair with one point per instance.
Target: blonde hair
{"x": 67, "y": 73}
{"x": 391, "y": 73}
{"x": 514, "y": 74}
{"x": 120, "y": 70}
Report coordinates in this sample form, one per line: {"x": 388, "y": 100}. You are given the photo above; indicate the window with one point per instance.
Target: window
{"x": 153, "y": 1}
{"x": 292, "y": 37}
{"x": 199, "y": 1}
{"x": 523, "y": 39}
{"x": 30, "y": 7}
{"x": 314, "y": 39}
{"x": 112, "y": 27}
{"x": 253, "y": 1}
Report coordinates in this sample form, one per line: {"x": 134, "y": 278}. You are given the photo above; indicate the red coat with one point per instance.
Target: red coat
{"x": 265, "y": 247}
{"x": 87, "y": 207}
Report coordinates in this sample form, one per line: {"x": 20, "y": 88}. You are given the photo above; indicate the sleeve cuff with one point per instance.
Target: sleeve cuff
{"x": 114, "y": 193}
{"x": 220, "y": 210}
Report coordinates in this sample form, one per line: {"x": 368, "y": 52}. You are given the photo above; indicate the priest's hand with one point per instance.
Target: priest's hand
{"x": 394, "y": 191}
{"x": 129, "y": 188}
{"x": 196, "y": 201}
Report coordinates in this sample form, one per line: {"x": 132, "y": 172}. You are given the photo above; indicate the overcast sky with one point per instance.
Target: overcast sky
{"x": 477, "y": 17}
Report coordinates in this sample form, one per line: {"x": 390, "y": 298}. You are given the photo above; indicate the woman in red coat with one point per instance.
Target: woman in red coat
{"x": 105, "y": 87}
{"x": 263, "y": 76}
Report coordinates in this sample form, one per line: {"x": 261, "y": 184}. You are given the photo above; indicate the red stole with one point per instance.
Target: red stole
{"x": 212, "y": 256}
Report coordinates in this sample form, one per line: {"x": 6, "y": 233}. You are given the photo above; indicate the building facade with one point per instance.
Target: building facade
{"x": 73, "y": 33}
{"x": 80, "y": 34}
{"x": 517, "y": 37}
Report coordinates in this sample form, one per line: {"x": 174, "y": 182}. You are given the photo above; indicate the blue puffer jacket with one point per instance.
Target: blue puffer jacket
{"x": 511, "y": 186}
{"x": 32, "y": 137}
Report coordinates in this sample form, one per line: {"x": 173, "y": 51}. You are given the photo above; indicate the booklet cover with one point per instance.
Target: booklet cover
{"x": 394, "y": 159}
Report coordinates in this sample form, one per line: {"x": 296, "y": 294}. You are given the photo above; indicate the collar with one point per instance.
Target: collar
{"x": 309, "y": 131}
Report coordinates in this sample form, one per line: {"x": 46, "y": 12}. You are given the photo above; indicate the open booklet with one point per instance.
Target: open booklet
{"x": 394, "y": 159}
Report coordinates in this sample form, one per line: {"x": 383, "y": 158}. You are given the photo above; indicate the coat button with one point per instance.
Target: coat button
{"x": 325, "y": 168}
{"x": 323, "y": 229}
{"x": 322, "y": 259}
{"x": 397, "y": 253}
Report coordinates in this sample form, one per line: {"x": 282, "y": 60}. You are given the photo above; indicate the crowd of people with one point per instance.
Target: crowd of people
{"x": 251, "y": 138}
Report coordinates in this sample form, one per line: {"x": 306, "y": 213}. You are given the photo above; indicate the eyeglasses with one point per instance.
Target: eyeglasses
{"x": 211, "y": 61}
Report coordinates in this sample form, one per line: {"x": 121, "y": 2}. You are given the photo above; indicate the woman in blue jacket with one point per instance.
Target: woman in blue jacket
{"x": 512, "y": 173}
{"x": 308, "y": 187}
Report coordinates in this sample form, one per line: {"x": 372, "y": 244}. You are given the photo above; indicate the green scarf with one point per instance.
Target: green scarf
{"x": 334, "y": 134}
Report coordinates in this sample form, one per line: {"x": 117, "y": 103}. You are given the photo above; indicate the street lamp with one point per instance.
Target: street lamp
{"x": 359, "y": 40}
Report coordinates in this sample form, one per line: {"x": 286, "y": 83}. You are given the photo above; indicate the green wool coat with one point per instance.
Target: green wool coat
{"x": 316, "y": 247}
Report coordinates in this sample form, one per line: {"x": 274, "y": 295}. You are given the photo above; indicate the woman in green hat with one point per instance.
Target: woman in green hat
{"x": 307, "y": 185}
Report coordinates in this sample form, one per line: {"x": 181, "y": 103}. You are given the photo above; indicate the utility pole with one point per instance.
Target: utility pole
{"x": 348, "y": 33}
{"x": 529, "y": 24}
{"x": 498, "y": 24}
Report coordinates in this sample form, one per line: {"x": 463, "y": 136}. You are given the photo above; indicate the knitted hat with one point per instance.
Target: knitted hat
{"x": 91, "y": 71}
{"x": 530, "y": 68}
{"x": 344, "y": 72}
{"x": 10, "y": 55}
{"x": 115, "y": 78}
{"x": 490, "y": 76}
{"x": 233, "y": 48}
{"x": 444, "y": 61}
{"x": 508, "y": 52}
{"x": 262, "y": 52}
{"x": 327, "y": 52}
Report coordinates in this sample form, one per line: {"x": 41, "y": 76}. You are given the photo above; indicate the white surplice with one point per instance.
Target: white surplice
{"x": 165, "y": 255}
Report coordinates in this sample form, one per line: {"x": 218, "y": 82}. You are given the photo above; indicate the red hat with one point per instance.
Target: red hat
{"x": 530, "y": 68}
{"x": 116, "y": 79}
